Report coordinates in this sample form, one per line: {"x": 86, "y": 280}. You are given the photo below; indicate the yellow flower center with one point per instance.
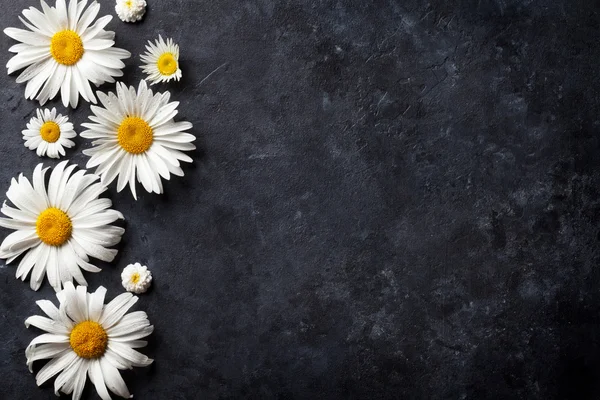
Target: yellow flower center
{"x": 50, "y": 131}
{"x": 88, "y": 339}
{"x": 128, "y": 3}
{"x": 135, "y": 135}
{"x": 167, "y": 64}
{"x": 54, "y": 227}
{"x": 66, "y": 47}
{"x": 135, "y": 278}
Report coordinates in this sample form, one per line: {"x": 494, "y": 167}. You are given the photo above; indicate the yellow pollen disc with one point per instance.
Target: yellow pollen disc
{"x": 135, "y": 135}
{"x": 50, "y": 132}
{"x": 167, "y": 64}
{"x": 66, "y": 47}
{"x": 88, "y": 339}
{"x": 128, "y": 3}
{"x": 54, "y": 227}
{"x": 135, "y": 278}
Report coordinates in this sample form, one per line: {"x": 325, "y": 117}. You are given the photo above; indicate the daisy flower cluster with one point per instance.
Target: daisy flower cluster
{"x": 60, "y": 220}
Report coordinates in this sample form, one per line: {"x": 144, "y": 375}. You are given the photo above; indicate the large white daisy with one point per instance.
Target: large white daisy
{"x": 161, "y": 61}
{"x": 49, "y": 134}
{"x": 87, "y": 338}
{"x": 135, "y": 135}
{"x": 63, "y": 51}
{"x": 58, "y": 228}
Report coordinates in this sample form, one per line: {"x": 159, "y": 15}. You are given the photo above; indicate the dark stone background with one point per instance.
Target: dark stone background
{"x": 390, "y": 199}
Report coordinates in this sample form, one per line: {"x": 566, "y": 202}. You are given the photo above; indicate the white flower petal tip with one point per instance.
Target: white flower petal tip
{"x": 135, "y": 138}
{"x": 58, "y": 225}
{"x": 130, "y": 10}
{"x": 49, "y": 134}
{"x": 161, "y": 61}
{"x": 86, "y": 337}
{"x": 65, "y": 50}
{"x": 136, "y": 278}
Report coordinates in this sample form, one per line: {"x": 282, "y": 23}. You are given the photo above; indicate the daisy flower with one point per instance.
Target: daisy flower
{"x": 136, "y": 278}
{"x": 130, "y": 10}
{"x": 162, "y": 61}
{"x": 49, "y": 134}
{"x": 58, "y": 228}
{"x": 63, "y": 51}
{"x": 87, "y": 337}
{"x": 137, "y": 136}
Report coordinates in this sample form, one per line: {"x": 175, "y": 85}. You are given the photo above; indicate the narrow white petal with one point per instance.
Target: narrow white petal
{"x": 54, "y": 366}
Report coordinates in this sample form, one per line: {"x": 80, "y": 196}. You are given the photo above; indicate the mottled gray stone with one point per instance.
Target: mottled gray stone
{"x": 390, "y": 199}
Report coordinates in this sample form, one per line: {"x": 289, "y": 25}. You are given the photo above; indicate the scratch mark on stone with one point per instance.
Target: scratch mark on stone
{"x": 209, "y": 75}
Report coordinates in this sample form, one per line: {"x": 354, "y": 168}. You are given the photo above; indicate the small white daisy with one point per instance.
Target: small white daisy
{"x": 58, "y": 228}
{"x": 88, "y": 338}
{"x": 137, "y": 136}
{"x": 49, "y": 134}
{"x": 136, "y": 278}
{"x": 63, "y": 51}
{"x": 162, "y": 61}
{"x": 130, "y": 10}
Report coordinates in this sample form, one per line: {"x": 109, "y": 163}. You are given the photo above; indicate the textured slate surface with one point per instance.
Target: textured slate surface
{"x": 390, "y": 199}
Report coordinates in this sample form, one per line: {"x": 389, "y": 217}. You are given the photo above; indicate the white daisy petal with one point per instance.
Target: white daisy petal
{"x": 45, "y": 351}
{"x": 116, "y": 360}
{"x": 114, "y": 310}
{"x": 130, "y": 324}
{"x": 96, "y": 304}
{"x": 113, "y": 380}
{"x": 68, "y": 375}
{"x": 27, "y": 263}
{"x": 52, "y": 51}
{"x": 136, "y": 358}
{"x": 79, "y": 382}
{"x": 54, "y": 367}
{"x": 97, "y": 378}
{"x": 46, "y": 324}
{"x": 39, "y": 268}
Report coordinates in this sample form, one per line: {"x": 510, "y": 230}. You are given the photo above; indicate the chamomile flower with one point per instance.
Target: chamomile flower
{"x": 162, "y": 61}
{"x": 58, "y": 227}
{"x": 49, "y": 134}
{"x": 135, "y": 135}
{"x": 130, "y": 10}
{"x": 63, "y": 51}
{"x": 136, "y": 278}
{"x": 88, "y": 338}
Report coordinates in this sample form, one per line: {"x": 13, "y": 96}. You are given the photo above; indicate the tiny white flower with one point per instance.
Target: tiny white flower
{"x": 130, "y": 10}
{"x": 49, "y": 134}
{"x": 136, "y": 278}
{"x": 161, "y": 61}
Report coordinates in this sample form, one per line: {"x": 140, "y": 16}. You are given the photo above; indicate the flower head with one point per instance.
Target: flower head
{"x": 63, "y": 51}
{"x": 136, "y": 278}
{"x": 58, "y": 228}
{"x": 87, "y": 337}
{"x": 49, "y": 134}
{"x": 130, "y": 10}
{"x": 136, "y": 136}
{"x": 161, "y": 61}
